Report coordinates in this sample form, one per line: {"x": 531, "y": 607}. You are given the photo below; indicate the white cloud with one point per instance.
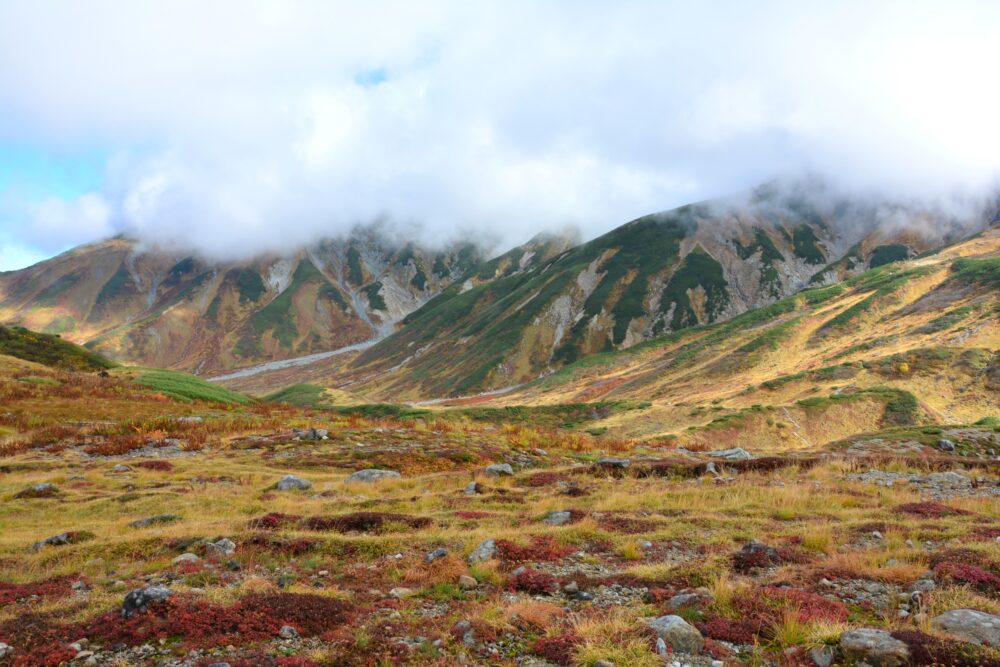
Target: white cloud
{"x": 241, "y": 126}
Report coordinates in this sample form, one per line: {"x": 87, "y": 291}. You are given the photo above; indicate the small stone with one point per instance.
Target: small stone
{"x": 557, "y": 518}
{"x": 499, "y": 470}
{"x": 437, "y": 554}
{"x": 604, "y": 663}
{"x": 400, "y": 593}
{"x": 661, "y": 647}
{"x": 5, "y": 650}
{"x": 222, "y": 547}
{"x": 371, "y": 475}
{"x": 945, "y": 445}
{"x": 613, "y": 462}
{"x": 822, "y": 656}
{"x": 683, "y": 600}
{"x": 484, "y": 552}
{"x": 154, "y": 520}
{"x": 288, "y": 632}
{"x": 472, "y": 489}
{"x": 186, "y": 558}
{"x": 678, "y": 633}
{"x": 877, "y": 535}
{"x": 292, "y": 483}
{"x": 571, "y": 587}
{"x": 467, "y": 583}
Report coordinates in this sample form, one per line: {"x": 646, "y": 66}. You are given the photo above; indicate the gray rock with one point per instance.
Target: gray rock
{"x": 613, "y": 462}
{"x": 683, "y": 600}
{"x": 400, "y": 593}
{"x": 62, "y": 539}
{"x": 467, "y": 583}
{"x": 137, "y": 601}
{"x": 557, "y": 518}
{"x": 223, "y": 547}
{"x": 661, "y": 647}
{"x": 186, "y": 558}
{"x": 288, "y": 632}
{"x": 437, "y": 554}
{"x": 310, "y": 433}
{"x": 973, "y": 626}
{"x": 499, "y": 470}
{"x": 678, "y": 633}
{"x": 472, "y": 489}
{"x": 43, "y": 490}
{"x": 484, "y": 552}
{"x": 734, "y": 454}
{"x": 604, "y": 663}
{"x": 154, "y": 520}
{"x": 371, "y": 475}
{"x": 292, "y": 483}
{"x": 875, "y": 647}
{"x": 5, "y": 650}
{"x": 822, "y": 656}
{"x": 121, "y": 467}
{"x": 945, "y": 445}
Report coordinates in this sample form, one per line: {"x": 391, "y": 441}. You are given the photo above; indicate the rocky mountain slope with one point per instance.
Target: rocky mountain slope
{"x": 171, "y": 309}
{"x": 530, "y": 312}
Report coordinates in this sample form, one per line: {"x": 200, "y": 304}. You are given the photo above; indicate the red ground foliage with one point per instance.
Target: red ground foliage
{"x": 533, "y": 582}
{"x": 291, "y": 547}
{"x": 964, "y": 573}
{"x": 273, "y": 521}
{"x": 254, "y": 618}
{"x": 558, "y": 649}
{"x": 930, "y": 509}
{"x": 159, "y": 465}
{"x": 365, "y": 522}
{"x": 926, "y": 650}
{"x": 626, "y": 525}
{"x": 259, "y": 660}
{"x": 737, "y": 631}
{"x": 541, "y": 548}
{"x": 964, "y": 556}
{"x": 539, "y": 479}
{"x": 49, "y": 588}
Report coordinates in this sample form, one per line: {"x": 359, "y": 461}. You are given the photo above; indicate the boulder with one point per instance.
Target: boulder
{"x": 680, "y": 635}
{"x": 154, "y": 520}
{"x": 292, "y": 483}
{"x": 973, "y": 626}
{"x": 557, "y": 518}
{"x": 683, "y": 600}
{"x": 945, "y": 445}
{"x": 822, "y": 656}
{"x": 499, "y": 470}
{"x": 186, "y": 558}
{"x": 484, "y": 552}
{"x": 288, "y": 632}
{"x": 734, "y": 454}
{"x": 43, "y": 490}
{"x": 137, "y": 601}
{"x": 613, "y": 462}
{"x": 400, "y": 593}
{"x": 222, "y": 547}
{"x": 437, "y": 554}
{"x": 371, "y": 475}
{"x": 875, "y": 647}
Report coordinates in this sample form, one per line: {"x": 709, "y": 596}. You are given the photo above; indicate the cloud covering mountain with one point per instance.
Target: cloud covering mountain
{"x": 240, "y": 127}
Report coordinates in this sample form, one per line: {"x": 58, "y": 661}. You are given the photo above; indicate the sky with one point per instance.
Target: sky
{"x": 242, "y": 127}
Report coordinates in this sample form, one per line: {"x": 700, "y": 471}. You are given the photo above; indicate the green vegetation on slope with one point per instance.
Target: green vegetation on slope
{"x": 185, "y": 387}
{"x": 49, "y": 350}
{"x": 984, "y": 272}
{"x": 299, "y": 395}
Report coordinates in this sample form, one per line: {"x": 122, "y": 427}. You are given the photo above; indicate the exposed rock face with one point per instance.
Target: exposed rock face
{"x": 167, "y": 308}
{"x": 371, "y": 475}
{"x": 292, "y": 483}
{"x": 680, "y": 635}
{"x": 875, "y": 647}
{"x": 973, "y": 626}
{"x": 734, "y": 454}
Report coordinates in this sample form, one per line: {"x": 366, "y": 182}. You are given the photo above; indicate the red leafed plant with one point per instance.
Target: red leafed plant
{"x": 533, "y": 582}
{"x": 964, "y": 573}
{"x": 541, "y": 548}
{"x": 558, "y": 649}
{"x": 930, "y": 509}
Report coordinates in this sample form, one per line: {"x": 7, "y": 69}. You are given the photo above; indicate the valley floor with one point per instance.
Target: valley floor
{"x": 140, "y": 529}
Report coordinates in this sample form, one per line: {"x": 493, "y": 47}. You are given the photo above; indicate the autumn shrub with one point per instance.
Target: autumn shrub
{"x": 926, "y": 651}
{"x": 559, "y": 649}
{"x": 273, "y": 521}
{"x": 367, "y": 522}
{"x": 156, "y": 464}
{"x": 50, "y": 588}
{"x": 290, "y": 547}
{"x": 533, "y": 582}
{"x": 627, "y": 525}
{"x": 963, "y": 573}
{"x": 541, "y": 548}
{"x": 930, "y": 509}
